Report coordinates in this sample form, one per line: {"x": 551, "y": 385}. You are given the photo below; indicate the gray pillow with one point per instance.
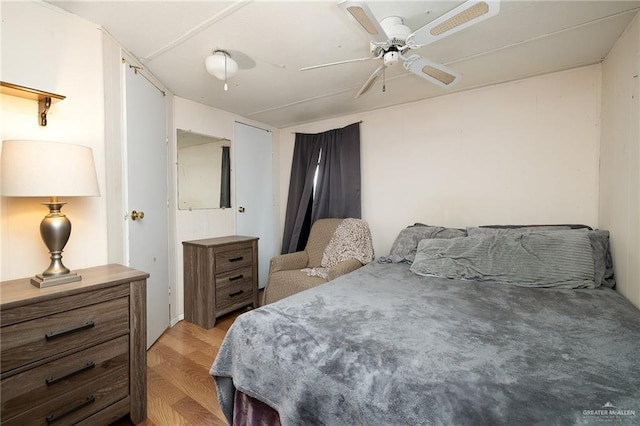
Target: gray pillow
{"x": 406, "y": 243}
{"x": 493, "y": 230}
{"x": 602, "y": 261}
{"x": 599, "y": 239}
{"x": 559, "y": 259}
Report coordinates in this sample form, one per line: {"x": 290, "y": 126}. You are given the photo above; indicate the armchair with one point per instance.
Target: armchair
{"x": 286, "y": 275}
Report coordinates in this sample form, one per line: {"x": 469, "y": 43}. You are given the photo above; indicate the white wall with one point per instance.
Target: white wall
{"x": 620, "y": 159}
{"x": 46, "y": 48}
{"x": 517, "y": 153}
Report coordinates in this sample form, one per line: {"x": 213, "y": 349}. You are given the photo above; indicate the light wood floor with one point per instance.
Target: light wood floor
{"x": 179, "y": 388}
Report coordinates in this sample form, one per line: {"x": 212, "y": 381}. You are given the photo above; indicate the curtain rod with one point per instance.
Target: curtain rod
{"x": 255, "y": 127}
{"x": 359, "y": 122}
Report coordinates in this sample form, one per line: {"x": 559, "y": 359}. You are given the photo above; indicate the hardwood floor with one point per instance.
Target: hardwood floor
{"x": 179, "y": 388}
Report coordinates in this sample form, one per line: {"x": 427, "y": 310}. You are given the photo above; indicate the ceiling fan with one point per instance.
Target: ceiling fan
{"x": 392, "y": 40}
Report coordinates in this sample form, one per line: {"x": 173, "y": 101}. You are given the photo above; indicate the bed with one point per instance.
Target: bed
{"x": 435, "y": 334}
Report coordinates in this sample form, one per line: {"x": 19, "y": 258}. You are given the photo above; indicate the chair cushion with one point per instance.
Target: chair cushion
{"x": 285, "y": 283}
{"x": 319, "y": 236}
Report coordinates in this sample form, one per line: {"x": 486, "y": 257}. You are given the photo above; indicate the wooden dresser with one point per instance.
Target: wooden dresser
{"x": 220, "y": 276}
{"x": 74, "y": 353}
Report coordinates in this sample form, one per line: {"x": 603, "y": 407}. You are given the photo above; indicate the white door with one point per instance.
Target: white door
{"x": 146, "y": 186}
{"x": 255, "y": 207}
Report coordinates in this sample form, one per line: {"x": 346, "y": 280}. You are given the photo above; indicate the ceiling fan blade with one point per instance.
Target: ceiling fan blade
{"x": 436, "y": 73}
{"x": 370, "y": 82}
{"x": 463, "y": 16}
{"x": 362, "y": 14}
{"x": 339, "y": 63}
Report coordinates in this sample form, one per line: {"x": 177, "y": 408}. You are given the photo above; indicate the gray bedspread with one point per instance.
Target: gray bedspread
{"x": 383, "y": 346}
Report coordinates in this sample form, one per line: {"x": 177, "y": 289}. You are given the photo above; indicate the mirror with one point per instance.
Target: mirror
{"x": 204, "y": 171}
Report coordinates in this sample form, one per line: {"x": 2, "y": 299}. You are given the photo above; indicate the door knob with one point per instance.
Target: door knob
{"x": 241, "y": 209}
{"x": 137, "y": 215}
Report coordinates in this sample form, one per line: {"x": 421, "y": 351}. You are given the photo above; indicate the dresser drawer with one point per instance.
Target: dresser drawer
{"x": 22, "y": 391}
{"x": 234, "y": 287}
{"x": 78, "y": 404}
{"x": 233, "y": 259}
{"x": 40, "y": 338}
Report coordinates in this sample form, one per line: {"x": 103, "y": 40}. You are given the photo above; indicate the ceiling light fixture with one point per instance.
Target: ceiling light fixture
{"x": 221, "y": 66}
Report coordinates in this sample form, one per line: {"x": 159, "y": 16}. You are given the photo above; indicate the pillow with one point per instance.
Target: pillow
{"x": 504, "y": 229}
{"x": 559, "y": 259}
{"x": 602, "y": 261}
{"x": 599, "y": 239}
{"x": 406, "y": 243}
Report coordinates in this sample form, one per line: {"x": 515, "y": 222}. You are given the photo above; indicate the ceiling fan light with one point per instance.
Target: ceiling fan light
{"x": 361, "y": 16}
{"x": 474, "y": 12}
{"x": 391, "y": 58}
{"x": 221, "y": 65}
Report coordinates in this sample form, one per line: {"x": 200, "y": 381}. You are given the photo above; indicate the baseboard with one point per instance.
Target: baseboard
{"x": 176, "y": 320}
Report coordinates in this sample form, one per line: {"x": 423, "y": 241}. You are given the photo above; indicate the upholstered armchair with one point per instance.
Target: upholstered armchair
{"x": 286, "y": 275}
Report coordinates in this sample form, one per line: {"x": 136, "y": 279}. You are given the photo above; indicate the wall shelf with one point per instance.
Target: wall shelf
{"x": 45, "y": 99}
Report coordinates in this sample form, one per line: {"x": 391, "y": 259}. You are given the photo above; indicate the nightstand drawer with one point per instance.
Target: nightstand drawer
{"x": 78, "y": 404}
{"x": 30, "y": 341}
{"x": 233, "y": 259}
{"x": 23, "y": 391}
{"x": 234, "y": 287}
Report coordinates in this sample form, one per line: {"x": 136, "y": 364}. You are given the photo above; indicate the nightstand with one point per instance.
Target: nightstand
{"x": 220, "y": 276}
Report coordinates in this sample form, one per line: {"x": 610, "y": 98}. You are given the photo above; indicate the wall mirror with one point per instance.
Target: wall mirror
{"x": 204, "y": 171}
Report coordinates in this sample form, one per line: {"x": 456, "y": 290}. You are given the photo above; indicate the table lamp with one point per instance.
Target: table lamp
{"x": 49, "y": 169}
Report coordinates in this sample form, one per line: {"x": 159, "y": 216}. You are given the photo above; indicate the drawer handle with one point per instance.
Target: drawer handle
{"x": 236, "y": 259}
{"x": 236, "y": 278}
{"x": 52, "y": 418}
{"x": 51, "y": 380}
{"x": 56, "y": 334}
{"x": 236, "y": 293}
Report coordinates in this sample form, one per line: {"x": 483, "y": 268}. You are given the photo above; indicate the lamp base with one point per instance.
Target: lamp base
{"x": 41, "y": 281}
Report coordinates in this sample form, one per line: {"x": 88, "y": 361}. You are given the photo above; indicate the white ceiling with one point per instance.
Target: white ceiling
{"x": 272, "y": 40}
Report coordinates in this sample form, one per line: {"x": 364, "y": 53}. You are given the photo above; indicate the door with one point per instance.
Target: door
{"x": 146, "y": 198}
{"x": 255, "y": 214}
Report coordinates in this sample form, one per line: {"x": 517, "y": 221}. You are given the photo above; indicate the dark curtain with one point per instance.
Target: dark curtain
{"x": 225, "y": 179}
{"x": 336, "y": 156}
{"x": 298, "y": 215}
{"x": 338, "y": 185}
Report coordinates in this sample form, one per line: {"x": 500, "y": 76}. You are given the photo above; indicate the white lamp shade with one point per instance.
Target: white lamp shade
{"x": 47, "y": 169}
{"x": 215, "y": 65}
